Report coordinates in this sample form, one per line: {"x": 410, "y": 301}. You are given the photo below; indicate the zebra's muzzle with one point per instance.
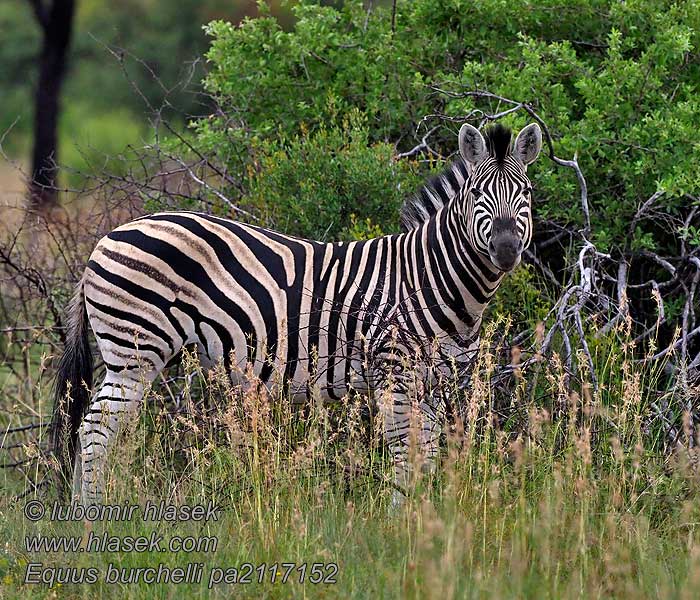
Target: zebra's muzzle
{"x": 505, "y": 251}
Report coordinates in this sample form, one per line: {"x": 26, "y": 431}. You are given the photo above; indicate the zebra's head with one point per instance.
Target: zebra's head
{"x": 497, "y": 193}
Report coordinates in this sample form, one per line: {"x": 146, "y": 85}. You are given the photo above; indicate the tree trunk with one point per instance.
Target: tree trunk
{"x": 56, "y": 23}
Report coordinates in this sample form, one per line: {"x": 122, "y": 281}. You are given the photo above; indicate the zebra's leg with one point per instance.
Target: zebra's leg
{"x": 407, "y": 453}
{"x": 117, "y": 400}
{"x": 413, "y": 421}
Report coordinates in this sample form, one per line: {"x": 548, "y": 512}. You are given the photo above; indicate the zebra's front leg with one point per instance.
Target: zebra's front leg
{"x": 413, "y": 421}
{"x": 116, "y": 402}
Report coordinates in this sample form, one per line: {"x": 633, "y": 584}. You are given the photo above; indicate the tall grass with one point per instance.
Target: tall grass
{"x": 568, "y": 497}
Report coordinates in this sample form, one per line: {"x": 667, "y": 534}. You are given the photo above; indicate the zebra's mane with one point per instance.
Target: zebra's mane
{"x": 433, "y": 195}
{"x": 498, "y": 142}
{"x": 440, "y": 189}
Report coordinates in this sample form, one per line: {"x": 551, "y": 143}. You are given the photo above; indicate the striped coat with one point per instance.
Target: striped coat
{"x": 389, "y": 315}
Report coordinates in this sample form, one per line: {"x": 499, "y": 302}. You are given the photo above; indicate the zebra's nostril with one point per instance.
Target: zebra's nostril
{"x": 520, "y": 246}
{"x": 491, "y": 247}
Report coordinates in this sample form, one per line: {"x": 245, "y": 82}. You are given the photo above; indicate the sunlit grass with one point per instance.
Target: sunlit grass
{"x": 574, "y": 507}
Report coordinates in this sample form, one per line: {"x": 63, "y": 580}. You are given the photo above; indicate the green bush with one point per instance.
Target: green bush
{"x": 616, "y": 82}
{"x": 330, "y": 184}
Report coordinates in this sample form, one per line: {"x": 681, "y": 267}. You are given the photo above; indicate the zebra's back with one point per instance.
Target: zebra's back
{"x": 295, "y": 310}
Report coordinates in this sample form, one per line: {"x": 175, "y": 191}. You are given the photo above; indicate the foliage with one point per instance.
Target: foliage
{"x": 617, "y": 83}
{"x": 521, "y": 293}
{"x": 549, "y": 491}
{"x": 313, "y": 184}
{"x": 157, "y": 47}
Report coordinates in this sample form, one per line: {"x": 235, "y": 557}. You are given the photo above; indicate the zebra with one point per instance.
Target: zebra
{"x": 301, "y": 314}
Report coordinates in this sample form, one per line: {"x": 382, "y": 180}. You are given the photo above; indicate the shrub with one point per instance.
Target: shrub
{"x": 617, "y": 83}
{"x": 326, "y": 184}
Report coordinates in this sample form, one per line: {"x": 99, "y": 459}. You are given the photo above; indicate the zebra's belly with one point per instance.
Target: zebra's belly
{"x": 308, "y": 375}
{"x": 301, "y": 368}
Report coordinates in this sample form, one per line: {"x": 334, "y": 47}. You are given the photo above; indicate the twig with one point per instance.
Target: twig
{"x": 420, "y": 147}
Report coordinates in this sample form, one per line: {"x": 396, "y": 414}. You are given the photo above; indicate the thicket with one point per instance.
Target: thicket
{"x": 322, "y": 129}
{"x": 616, "y": 83}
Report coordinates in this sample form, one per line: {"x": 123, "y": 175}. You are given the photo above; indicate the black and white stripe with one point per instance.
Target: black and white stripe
{"x": 371, "y": 316}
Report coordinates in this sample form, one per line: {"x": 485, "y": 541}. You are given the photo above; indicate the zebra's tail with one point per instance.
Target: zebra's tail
{"x": 72, "y": 386}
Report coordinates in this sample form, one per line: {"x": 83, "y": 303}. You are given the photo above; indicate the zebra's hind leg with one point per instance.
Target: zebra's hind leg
{"x": 118, "y": 400}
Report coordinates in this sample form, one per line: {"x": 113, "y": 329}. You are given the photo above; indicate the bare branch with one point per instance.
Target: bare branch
{"x": 420, "y": 147}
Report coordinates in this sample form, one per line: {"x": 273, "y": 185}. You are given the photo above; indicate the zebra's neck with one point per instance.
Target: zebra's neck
{"x": 454, "y": 280}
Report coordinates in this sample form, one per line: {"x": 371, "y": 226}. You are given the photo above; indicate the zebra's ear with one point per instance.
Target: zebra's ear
{"x": 472, "y": 145}
{"x": 528, "y": 144}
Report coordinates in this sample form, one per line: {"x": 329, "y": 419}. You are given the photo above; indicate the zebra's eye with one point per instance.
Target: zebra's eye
{"x": 476, "y": 192}
{"x": 527, "y": 191}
